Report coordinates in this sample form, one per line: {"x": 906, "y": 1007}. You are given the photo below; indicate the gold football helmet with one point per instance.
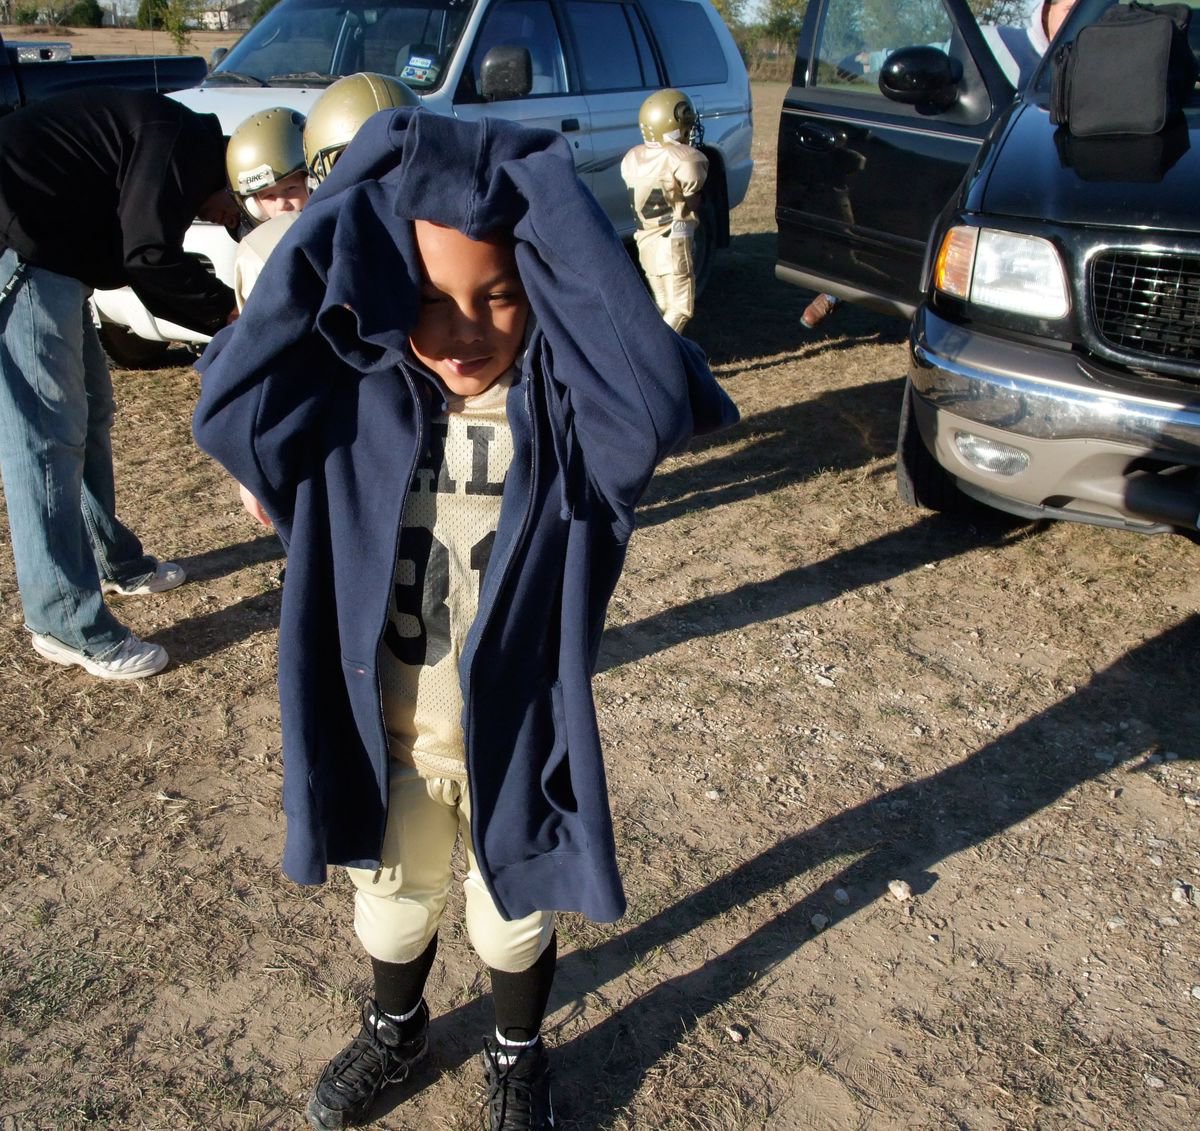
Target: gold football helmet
{"x": 668, "y": 115}
{"x": 338, "y": 114}
{"x": 262, "y": 151}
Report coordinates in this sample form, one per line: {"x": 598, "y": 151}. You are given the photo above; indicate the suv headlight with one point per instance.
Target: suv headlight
{"x": 1023, "y": 274}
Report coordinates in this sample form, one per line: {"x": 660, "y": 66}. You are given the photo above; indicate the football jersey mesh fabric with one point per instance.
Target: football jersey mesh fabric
{"x": 662, "y": 178}
{"x": 252, "y": 253}
{"x": 446, "y": 539}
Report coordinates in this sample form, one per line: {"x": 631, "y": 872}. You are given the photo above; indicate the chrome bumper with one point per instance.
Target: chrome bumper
{"x": 1047, "y": 394}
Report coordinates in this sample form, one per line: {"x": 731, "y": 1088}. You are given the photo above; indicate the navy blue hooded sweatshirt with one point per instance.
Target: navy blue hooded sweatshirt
{"x": 315, "y": 402}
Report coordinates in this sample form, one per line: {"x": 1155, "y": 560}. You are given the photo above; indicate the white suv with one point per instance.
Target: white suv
{"x": 590, "y": 64}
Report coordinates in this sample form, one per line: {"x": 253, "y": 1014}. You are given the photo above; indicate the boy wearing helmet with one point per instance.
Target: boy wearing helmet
{"x": 267, "y": 144}
{"x": 336, "y": 116}
{"x": 276, "y": 156}
{"x": 450, "y": 395}
{"x": 665, "y": 175}
{"x": 265, "y": 164}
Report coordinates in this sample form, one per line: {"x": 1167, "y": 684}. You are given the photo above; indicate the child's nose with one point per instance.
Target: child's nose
{"x": 468, "y": 322}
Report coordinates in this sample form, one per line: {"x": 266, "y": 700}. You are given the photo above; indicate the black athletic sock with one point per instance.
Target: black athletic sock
{"x": 399, "y": 985}
{"x": 520, "y": 999}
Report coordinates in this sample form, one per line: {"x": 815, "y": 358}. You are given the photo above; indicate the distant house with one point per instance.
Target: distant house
{"x": 230, "y": 16}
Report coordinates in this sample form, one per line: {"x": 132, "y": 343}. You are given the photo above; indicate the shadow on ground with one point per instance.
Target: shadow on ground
{"x": 746, "y": 313}
{"x": 934, "y": 538}
{"x": 905, "y": 831}
{"x": 193, "y": 638}
{"x": 777, "y": 448}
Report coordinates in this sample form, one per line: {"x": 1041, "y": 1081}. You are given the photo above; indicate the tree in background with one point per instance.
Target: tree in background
{"x": 781, "y": 19}
{"x": 1011, "y": 12}
{"x": 264, "y": 6}
{"x": 179, "y": 17}
{"x": 85, "y": 13}
{"x": 175, "y": 17}
{"x": 768, "y": 44}
{"x": 731, "y": 11}
{"x": 150, "y": 14}
{"x": 55, "y": 13}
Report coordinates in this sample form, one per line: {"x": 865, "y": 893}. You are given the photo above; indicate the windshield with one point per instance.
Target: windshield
{"x": 313, "y": 42}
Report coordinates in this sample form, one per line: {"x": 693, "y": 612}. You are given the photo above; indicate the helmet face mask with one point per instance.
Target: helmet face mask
{"x": 320, "y": 164}
{"x": 341, "y": 110}
{"x": 265, "y": 149}
{"x": 668, "y": 115}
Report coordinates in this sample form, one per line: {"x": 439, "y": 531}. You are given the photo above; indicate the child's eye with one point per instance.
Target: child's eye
{"x": 503, "y": 296}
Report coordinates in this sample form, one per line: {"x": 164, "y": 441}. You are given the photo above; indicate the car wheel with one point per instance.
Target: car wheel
{"x": 127, "y": 350}
{"x": 920, "y": 480}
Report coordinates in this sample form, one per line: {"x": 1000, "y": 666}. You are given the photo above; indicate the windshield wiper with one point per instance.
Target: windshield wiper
{"x": 304, "y": 77}
{"x": 236, "y": 77}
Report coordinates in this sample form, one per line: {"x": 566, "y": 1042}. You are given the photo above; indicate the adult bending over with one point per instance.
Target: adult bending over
{"x": 97, "y": 188}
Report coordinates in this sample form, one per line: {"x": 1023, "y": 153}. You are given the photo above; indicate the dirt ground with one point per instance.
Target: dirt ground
{"x": 807, "y": 692}
{"x": 123, "y": 41}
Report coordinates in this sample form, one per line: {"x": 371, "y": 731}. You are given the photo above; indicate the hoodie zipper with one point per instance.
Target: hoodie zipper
{"x": 484, "y": 615}
{"x": 418, "y": 449}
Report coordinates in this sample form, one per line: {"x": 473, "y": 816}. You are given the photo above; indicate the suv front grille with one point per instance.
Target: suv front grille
{"x": 1148, "y": 303}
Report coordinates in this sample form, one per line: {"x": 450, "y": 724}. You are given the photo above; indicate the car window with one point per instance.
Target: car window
{"x": 414, "y": 44}
{"x": 286, "y": 40}
{"x": 1015, "y": 32}
{"x": 690, "y": 47}
{"x": 300, "y": 39}
{"x": 645, "y": 51}
{"x": 856, "y": 36}
{"x": 605, "y": 46}
{"x": 529, "y": 24}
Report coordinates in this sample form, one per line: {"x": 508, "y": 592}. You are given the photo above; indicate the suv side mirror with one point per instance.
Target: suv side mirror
{"x": 921, "y": 75}
{"x": 506, "y": 72}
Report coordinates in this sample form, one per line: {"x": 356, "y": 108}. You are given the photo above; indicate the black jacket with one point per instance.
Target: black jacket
{"x": 101, "y": 184}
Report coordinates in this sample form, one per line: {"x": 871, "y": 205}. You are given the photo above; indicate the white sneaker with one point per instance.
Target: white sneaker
{"x": 134, "y": 659}
{"x": 166, "y": 575}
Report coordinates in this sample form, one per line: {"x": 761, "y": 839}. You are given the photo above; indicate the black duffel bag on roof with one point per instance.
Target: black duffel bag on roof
{"x": 1130, "y": 72}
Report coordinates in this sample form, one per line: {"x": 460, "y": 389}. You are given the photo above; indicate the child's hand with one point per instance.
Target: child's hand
{"x": 253, "y": 507}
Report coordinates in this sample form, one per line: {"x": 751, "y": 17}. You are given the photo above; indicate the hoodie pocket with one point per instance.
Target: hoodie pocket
{"x": 557, "y": 787}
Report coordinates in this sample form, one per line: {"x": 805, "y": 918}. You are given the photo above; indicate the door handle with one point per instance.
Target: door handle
{"x": 569, "y": 125}
{"x": 819, "y": 138}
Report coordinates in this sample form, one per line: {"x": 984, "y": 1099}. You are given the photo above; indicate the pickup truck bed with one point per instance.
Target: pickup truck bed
{"x": 31, "y": 72}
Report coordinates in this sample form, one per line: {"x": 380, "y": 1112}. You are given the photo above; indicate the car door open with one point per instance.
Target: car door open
{"x": 863, "y": 174}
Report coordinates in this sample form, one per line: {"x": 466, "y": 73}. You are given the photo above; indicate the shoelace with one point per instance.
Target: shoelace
{"x": 509, "y": 1094}
{"x": 364, "y": 1066}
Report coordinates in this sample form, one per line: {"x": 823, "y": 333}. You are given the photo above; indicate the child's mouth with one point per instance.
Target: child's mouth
{"x": 467, "y": 366}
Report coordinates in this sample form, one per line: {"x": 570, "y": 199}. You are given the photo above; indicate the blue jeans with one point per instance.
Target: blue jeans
{"x": 56, "y": 411}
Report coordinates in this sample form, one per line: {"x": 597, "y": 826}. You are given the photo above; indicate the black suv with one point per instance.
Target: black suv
{"x": 1053, "y": 282}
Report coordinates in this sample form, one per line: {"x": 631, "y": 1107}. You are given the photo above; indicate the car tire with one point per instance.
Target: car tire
{"x": 920, "y": 480}
{"x": 127, "y": 350}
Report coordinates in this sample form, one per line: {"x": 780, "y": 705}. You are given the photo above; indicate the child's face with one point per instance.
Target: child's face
{"x": 288, "y": 195}
{"x": 473, "y": 308}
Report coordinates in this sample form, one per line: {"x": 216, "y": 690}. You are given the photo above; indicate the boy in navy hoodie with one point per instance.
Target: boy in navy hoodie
{"x": 449, "y": 395}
